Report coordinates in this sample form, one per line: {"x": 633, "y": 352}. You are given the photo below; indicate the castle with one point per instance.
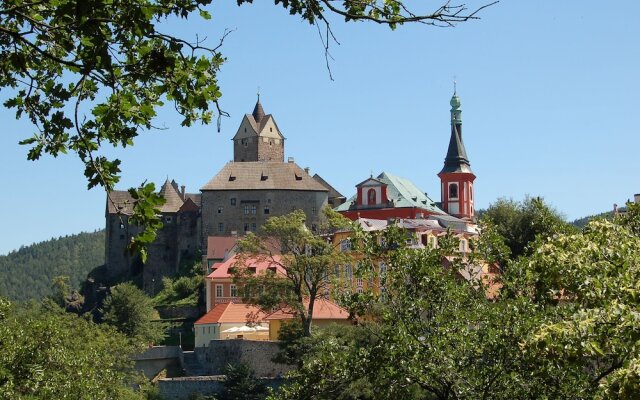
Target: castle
{"x": 259, "y": 183}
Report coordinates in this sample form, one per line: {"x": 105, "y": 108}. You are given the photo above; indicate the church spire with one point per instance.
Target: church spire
{"x": 456, "y": 159}
{"x": 456, "y": 177}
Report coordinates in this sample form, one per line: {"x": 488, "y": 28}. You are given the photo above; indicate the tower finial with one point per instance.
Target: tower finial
{"x": 258, "y": 93}
{"x": 455, "y": 82}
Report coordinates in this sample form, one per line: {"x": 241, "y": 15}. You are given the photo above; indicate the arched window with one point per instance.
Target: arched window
{"x": 371, "y": 196}
{"x": 453, "y": 190}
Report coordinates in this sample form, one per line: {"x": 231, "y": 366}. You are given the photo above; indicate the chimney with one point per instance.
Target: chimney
{"x": 290, "y": 160}
{"x": 615, "y": 209}
{"x": 306, "y": 169}
{"x": 182, "y": 189}
{"x": 636, "y": 198}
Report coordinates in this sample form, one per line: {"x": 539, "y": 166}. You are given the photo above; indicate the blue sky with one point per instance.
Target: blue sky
{"x": 550, "y": 93}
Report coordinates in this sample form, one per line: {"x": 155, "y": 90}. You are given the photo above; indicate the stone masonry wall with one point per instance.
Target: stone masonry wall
{"x": 183, "y": 388}
{"x": 254, "y": 353}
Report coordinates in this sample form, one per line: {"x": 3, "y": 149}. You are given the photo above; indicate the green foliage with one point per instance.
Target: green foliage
{"x": 521, "y": 223}
{"x": 595, "y": 275}
{"x": 580, "y": 223}
{"x": 49, "y": 354}
{"x": 130, "y": 311}
{"x": 64, "y": 296}
{"x": 28, "y": 272}
{"x": 434, "y": 336}
{"x": 241, "y": 384}
{"x": 184, "y": 289}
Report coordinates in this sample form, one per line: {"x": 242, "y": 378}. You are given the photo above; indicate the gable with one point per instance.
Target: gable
{"x": 246, "y": 129}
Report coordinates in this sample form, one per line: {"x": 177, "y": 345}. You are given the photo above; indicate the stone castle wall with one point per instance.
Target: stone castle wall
{"x": 235, "y": 208}
{"x": 256, "y": 354}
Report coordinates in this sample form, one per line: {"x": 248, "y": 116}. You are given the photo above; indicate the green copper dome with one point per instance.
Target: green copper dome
{"x": 455, "y": 102}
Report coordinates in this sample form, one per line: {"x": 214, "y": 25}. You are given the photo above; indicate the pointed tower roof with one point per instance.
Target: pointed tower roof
{"x": 456, "y": 159}
{"x": 258, "y": 111}
{"x": 173, "y": 199}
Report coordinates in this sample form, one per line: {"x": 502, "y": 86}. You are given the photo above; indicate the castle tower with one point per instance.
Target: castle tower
{"x": 258, "y": 138}
{"x": 456, "y": 177}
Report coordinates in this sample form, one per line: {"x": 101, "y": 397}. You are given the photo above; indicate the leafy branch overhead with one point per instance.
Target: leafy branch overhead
{"x": 92, "y": 72}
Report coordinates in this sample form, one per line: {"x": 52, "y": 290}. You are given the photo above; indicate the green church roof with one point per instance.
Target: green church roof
{"x": 402, "y": 192}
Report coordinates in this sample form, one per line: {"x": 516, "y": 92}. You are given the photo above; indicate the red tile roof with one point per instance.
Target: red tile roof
{"x": 322, "y": 309}
{"x": 217, "y": 246}
{"x": 231, "y": 313}
{"x": 221, "y": 270}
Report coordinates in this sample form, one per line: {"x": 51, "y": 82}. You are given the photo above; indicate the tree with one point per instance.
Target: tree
{"x": 520, "y": 223}
{"x": 435, "y": 336}
{"x": 89, "y": 73}
{"x": 50, "y": 354}
{"x": 594, "y": 274}
{"x": 130, "y": 311}
{"x": 305, "y": 257}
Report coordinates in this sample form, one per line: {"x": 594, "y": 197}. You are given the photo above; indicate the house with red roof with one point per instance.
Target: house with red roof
{"x": 219, "y": 285}
{"x": 229, "y": 321}
{"x": 325, "y": 313}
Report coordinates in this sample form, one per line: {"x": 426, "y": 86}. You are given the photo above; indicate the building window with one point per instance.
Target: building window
{"x": 121, "y": 225}
{"x": 359, "y": 289}
{"x": 314, "y": 228}
{"x": 383, "y": 269}
{"x": 359, "y": 282}
{"x": 219, "y": 291}
{"x": 168, "y": 220}
{"x": 313, "y": 211}
{"x": 434, "y": 241}
{"x": 463, "y": 245}
{"x": 254, "y": 227}
{"x": 336, "y": 272}
{"x": 348, "y": 272}
{"x": 220, "y": 227}
{"x": 453, "y": 190}
{"x": 266, "y": 210}
{"x": 371, "y": 196}
{"x": 246, "y": 227}
{"x": 121, "y": 237}
{"x": 234, "y": 291}
{"x": 219, "y": 210}
{"x": 246, "y": 209}
{"x": 233, "y": 201}
{"x": 345, "y": 245}
{"x": 253, "y": 210}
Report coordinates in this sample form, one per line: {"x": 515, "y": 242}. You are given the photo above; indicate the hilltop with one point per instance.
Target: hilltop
{"x": 27, "y": 273}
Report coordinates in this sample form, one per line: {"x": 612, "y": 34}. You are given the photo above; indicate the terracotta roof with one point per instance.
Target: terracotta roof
{"x": 322, "y": 309}
{"x": 173, "y": 199}
{"x": 260, "y": 264}
{"x": 231, "y": 313}
{"x": 262, "y": 175}
{"x": 218, "y": 246}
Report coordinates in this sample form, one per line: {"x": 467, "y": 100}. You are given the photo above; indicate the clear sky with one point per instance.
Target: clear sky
{"x": 550, "y": 92}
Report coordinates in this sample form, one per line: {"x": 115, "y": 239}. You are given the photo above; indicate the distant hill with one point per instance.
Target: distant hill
{"x": 582, "y": 222}
{"x": 27, "y": 273}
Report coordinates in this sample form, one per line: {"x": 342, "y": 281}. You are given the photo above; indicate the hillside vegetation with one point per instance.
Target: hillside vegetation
{"x": 582, "y": 222}
{"x": 27, "y": 273}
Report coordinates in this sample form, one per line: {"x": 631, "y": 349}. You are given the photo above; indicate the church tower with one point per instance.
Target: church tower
{"x": 258, "y": 138}
{"x": 456, "y": 177}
